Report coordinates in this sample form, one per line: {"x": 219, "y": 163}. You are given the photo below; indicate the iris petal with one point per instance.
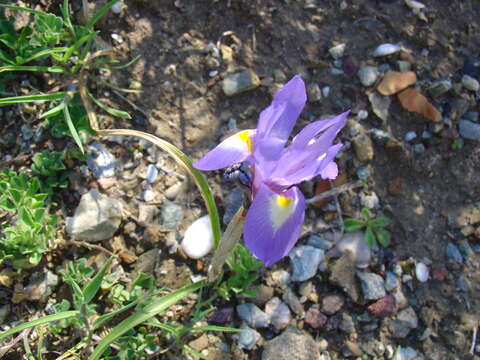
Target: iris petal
{"x": 273, "y": 223}
{"x": 233, "y": 149}
{"x": 280, "y": 117}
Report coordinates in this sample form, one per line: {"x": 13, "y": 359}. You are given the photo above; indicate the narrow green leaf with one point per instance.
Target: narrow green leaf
{"x": 120, "y": 67}
{"x": 105, "y": 317}
{"x": 185, "y": 162}
{"x": 46, "y": 52}
{"x": 66, "y": 17}
{"x": 31, "y": 98}
{"x": 383, "y": 237}
{"x": 13, "y": 7}
{"x": 352, "y": 225}
{"x": 110, "y": 110}
{"x": 215, "y": 328}
{"x": 53, "y": 111}
{"x": 366, "y": 214}
{"x": 155, "y": 306}
{"x": 370, "y": 237}
{"x": 98, "y": 15}
{"x": 91, "y": 289}
{"x": 26, "y": 217}
{"x": 76, "y": 45}
{"x": 72, "y": 129}
{"x": 381, "y": 221}
{"x": 41, "y": 321}
{"x": 52, "y": 69}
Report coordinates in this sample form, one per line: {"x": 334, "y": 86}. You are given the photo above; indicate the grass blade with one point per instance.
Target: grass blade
{"x": 97, "y": 16}
{"x": 32, "y": 98}
{"x": 72, "y": 129}
{"x": 13, "y": 7}
{"x": 110, "y": 110}
{"x": 184, "y": 161}
{"x": 44, "y": 320}
{"x": 52, "y": 69}
{"x": 46, "y": 52}
{"x": 53, "y": 111}
{"x": 91, "y": 289}
{"x": 120, "y": 67}
{"x": 215, "y": 328}
{"x": 156, "y": 306}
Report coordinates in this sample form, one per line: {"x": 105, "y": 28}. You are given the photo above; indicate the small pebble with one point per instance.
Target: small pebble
{"x": 248, "y": 338}
{"x": 409, "y": 136}
{"x": 386, "y": 49}
{"x": 421, "y": 272}
{"x": 198, "y": 239}
{"x": 419, "y": 148}
{"x": 470, "y": 83}
{"x": 362, "y": 115}
{"x": 326, "y": 91}
{"x": 117, "y": 38}
{"x": 372, "y": 285}
{"x": 337, "y": 51}
{"x": 305, "y": 261}
{"x": 469, "y": 130}
{"x": 117, "y": 7}
{"x": 253, "y": 316}
{"x": 453, "y": 253}
{"x": 368, "y": 75}
{"x": 278, "y": 312}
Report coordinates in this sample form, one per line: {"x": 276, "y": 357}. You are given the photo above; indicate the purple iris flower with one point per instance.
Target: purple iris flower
{"x": 275, "y": 217}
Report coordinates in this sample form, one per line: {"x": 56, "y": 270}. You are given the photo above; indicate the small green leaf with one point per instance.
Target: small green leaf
{"x": 110, "y": 110}
{"x": 91, "y": 289}
{"x": 26, "y": 217}
{"x": 366, "y": 214}
{"x": 352, "y": 225}
{"x": 383, "y": 237}
{"x": 31, "y": 98}
{"x": 98, "y": 15}
{"x": 72, "y": 129}
{"x": 381, "y": 221}
{"x": 370, "y": 237}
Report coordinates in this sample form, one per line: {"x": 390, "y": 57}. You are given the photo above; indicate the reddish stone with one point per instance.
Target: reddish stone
{"x": 315, "y": 318}
{"x": 439, "y": 273}
{"x": 386, "y": 306}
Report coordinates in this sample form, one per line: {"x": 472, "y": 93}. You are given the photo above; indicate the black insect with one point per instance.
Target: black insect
{"x": 238, "y": 172}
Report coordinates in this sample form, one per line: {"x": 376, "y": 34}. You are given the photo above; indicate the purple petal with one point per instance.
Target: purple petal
{"x": 273, "y": 223}
{"x": 330, "y": 171}
{"x": 310, "y": 131}
{"x": 302, "y": 159}
{"x": 280, "y": 117}
{"x": 233, "y": 149}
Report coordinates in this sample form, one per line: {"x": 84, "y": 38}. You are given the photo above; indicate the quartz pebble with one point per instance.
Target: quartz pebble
{"x": 409, "y": 136}
{"x": 368, "y": 75}
{"x": 240, "y": 82}
{"x": 421, "y": 272}
{"x": 337, "y": 51}
{"x": 198, "y": 239}
{"x": 248, "y": 338}
{"x": 386, "y": 49}
{"x": 470, "y": 83}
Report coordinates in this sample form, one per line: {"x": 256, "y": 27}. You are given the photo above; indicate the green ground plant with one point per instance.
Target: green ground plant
{"x": 70, "y": 53}
{"x": 49, "y": 167}
{"x": 27, "y": 227}
{"x": 374, "y": 228}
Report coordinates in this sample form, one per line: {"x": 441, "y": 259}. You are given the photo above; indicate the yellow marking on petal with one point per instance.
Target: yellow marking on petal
{"x": 244, "y": 136}
{"x": 283, "y": 201}
{"x": 281, "y": 208}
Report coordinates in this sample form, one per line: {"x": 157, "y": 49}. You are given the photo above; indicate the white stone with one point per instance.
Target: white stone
{"x": 470, "y": 83}
{"x": 198, "y": 239}
{"x": 337, "y": 51}
{"x": 152, "y": 173}
{"x": 117, "y": 7}
{"x": 386, "y": 49}
{"x": 326, "y": 91}
{"x": 412, "y": 4}
{"x": 421, "y": 272}
{"x": 117, "y": 38}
